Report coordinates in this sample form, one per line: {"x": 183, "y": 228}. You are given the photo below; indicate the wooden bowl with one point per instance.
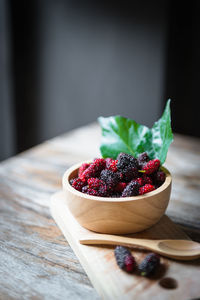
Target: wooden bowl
{"x": 116, "y": 215}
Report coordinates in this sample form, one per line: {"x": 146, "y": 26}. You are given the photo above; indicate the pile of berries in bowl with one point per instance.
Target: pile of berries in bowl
{"x": 124, "y": 177}
{"x": 119, "y": 196}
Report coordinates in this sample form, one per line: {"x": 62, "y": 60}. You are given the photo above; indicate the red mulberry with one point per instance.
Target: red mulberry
{"x": 120, "y": 187}
{"x": 113, "y": 166}
{"x": 108, "y": 162}
{"x": 146, "y": 189}
{"x": 140, "y": 181}
{"x": 92, "y": 192}
{"x": 82, "y": 168}
{"x": 78, "y": 184}
{"x": 94, "y": 169}
{"x": 95, "y": 183}
{"x": 151, "y": 166}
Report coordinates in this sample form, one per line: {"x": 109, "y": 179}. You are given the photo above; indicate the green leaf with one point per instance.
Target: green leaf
{"x": 162, "y": 135}
{"x": 120, "y": 134}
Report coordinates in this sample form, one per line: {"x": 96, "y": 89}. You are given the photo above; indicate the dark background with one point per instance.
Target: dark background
{"x": 64, "y": 63}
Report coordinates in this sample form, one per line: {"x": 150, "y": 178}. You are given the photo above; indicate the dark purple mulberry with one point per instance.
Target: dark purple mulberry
{"x": 104, "y": 191}
{"x": 129, "y": 173}
{"x": 126, "y": 160}
{"x": 124, "y": 259}
{"x": 159, "y": 178}
{"x": 71, "y": 181}
{"x": 115, "y": 195}
{"x": 142, "y": 159}
{"x": 120, "y": 187}
{"x": 149, "y": 265}
{"x": 147, "y": 179}
{"x": 132, "y": 189}
{"x": 110, "y": 178}
{"x": 85, "y": 189}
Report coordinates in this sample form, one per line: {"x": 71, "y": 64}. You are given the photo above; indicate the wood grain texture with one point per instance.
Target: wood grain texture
{"x": 33, "y": 249}
{"x": 113, "y": 283}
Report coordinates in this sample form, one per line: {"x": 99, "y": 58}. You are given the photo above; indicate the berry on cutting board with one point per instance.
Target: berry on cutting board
{"x": 124, "y": 259}
{"x": 149, "y": 265}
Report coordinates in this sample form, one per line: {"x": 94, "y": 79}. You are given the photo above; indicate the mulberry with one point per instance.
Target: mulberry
{"x": 129, "y": 173}
{"x": 78, "y": 184}
{"x": 151, "y": 166}
{"x": 92, "y": 192}
{"x": 94, "y": 169}
{"x": 85, "y": 189}
{"x": 71, "y": 181}
{"x": 149, "y": 265}
{"x": 126, "y": 160}
{"x": 113, "y": 166}
{"x": 159, "y": 178}
{"x": 120, "y": 187}
{"x": 119, "y": 177}
{"x": 147, "y": 179}
{"x": 146, "y": 189}
{"x": 132, "y": 189}
{"x": 82, "y": 168}
{"x": 104, "y": 190}
{"x": 124, "y": 259}
{"x": 108, "y": 162}
{"x": 140, "y": 181}
{"x": 100, "y": 163}
{"x": 95, "y": 183}
{"x": 99, "y": 186}
{"x": 142, "y": 159}
{"x": 109, "y": 177}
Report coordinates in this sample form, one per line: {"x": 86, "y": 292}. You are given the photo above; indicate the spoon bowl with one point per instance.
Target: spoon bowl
{"x": 180, "y": 247}
{"x": 177, "y": 249}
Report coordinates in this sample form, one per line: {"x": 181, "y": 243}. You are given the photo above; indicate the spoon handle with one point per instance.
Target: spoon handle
{"x": 107, "y": 239}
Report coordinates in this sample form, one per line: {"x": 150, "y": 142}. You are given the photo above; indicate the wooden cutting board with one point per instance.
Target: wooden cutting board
{"x": 113, "y": 283}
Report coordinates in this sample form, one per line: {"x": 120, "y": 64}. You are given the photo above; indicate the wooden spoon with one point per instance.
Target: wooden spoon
{"x": 178, "y": 249}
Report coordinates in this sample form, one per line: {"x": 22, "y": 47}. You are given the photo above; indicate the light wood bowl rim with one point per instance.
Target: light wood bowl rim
{"x": 67, "y": 186}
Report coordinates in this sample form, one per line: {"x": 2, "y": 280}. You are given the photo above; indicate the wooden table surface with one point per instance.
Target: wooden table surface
{"x": 36, "y": 260}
